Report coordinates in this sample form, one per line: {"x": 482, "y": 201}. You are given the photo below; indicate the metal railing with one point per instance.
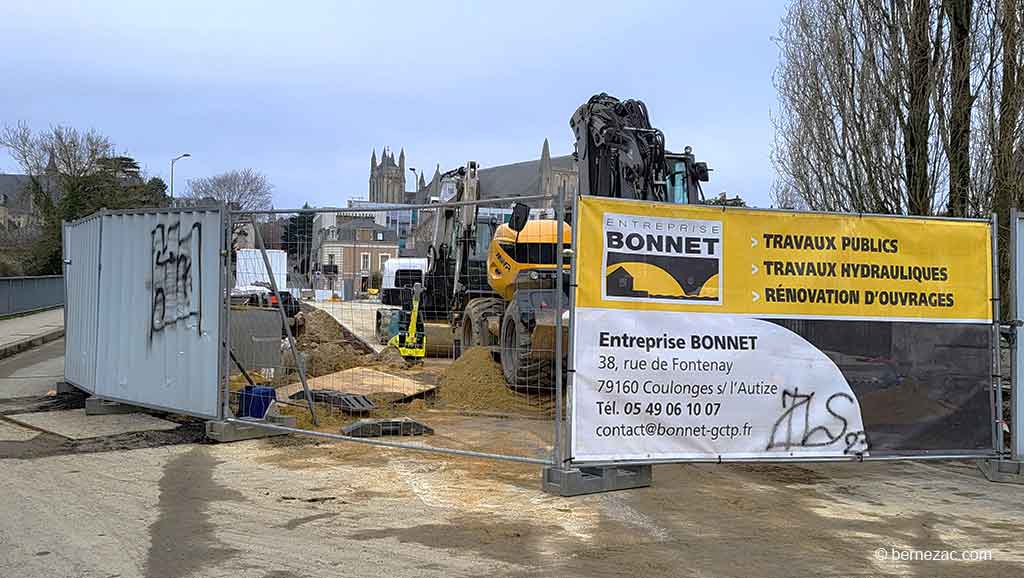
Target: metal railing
{"x": 27, "y": 294}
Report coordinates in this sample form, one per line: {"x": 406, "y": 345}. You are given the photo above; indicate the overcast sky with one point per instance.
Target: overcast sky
{"x": 303, "y": 91}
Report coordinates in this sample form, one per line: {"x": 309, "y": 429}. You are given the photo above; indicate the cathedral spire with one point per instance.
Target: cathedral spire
{"x": 401, "y": 168}
{"x": 435, "y": 181}
{"x": 373, "y": 161}
{"x": 545, "y": 170}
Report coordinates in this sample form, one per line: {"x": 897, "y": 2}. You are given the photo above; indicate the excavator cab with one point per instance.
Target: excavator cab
{"x": 684, "y": 176}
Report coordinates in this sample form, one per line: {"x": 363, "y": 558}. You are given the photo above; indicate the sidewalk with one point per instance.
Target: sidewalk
{"x": 20, "y": 333}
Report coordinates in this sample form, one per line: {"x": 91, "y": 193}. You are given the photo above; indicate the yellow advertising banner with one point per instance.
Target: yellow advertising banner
{"x": 652, "y": 256}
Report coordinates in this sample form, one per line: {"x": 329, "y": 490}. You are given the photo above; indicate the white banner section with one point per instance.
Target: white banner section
{"x": 654, "y": 385}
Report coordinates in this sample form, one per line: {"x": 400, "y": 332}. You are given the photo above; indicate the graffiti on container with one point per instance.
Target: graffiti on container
{"x": 794, "y": 428}
{"x": 175, "y": 295}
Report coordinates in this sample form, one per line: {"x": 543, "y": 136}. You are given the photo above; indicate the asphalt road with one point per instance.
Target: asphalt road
{"x": 32, "y": 372}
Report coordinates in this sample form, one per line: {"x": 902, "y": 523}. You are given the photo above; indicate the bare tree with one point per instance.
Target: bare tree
{"x": 959, "y": 13}
{"x": 857, "y": 130}
{"x": 60, "y": 150}
{"x": 72, "y": 174}
{"x": 246, "y": 189}
{"x": 856, "y": 125}
{"x": 784, "y": 197}
{"x": 1008, "y": 135}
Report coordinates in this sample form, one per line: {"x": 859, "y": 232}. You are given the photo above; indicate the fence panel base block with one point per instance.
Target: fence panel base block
{"x": 224, "y": 431}
{"x": 584, "y": 480}
{"x": 1004, "y": 471}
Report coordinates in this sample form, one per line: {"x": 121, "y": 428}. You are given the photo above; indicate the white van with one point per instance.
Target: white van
{"x": 398, "y": 274}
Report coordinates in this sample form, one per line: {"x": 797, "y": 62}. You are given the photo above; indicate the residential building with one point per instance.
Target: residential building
{"x": 352, "y": 250}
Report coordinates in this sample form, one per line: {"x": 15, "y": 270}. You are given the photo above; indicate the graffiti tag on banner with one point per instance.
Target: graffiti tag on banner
{"x": 634, "y": 255}
{"x": 674, "y": 351}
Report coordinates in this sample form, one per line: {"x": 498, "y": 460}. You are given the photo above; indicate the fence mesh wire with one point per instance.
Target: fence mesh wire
{"x": 486, "y": 324}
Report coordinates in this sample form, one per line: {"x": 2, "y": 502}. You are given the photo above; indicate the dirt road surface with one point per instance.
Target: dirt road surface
{"x": 291, "y": 507}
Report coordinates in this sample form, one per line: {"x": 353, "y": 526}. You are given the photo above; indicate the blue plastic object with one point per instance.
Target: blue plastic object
{"x": 255, "y": 400}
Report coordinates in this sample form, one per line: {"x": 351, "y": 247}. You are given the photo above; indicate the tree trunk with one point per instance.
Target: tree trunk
{"x": 915, "y": 137}
{"x": 1005, "y": 177}
{"x": 961, "y": 100}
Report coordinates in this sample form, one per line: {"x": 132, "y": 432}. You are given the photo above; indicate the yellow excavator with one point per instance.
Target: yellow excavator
{"x": 492, "y": 273}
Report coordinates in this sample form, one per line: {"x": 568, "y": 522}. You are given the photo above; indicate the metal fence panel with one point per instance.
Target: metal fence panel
{"x": 27, "y": 294}
{"x": 159, "y": 309}
{"x": 81, "y": 278}
{"x": 256, "y": 337}
{"x": 470, "y": 402}
{"x": 1017, "y": 357}
{"x": 896, "y": 360}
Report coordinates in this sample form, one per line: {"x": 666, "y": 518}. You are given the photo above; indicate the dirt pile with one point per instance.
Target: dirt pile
{"x": 327, "y": 346}
{"x": 320, "y": 327}
{"x": 390, "y": 357}
{"x": 474, "y": 382}
{"x": 324, "y": 358}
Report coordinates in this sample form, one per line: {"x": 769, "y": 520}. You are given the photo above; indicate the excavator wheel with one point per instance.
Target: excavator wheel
{"x": 523, "y": 373}
{"x": 474, "y": 322}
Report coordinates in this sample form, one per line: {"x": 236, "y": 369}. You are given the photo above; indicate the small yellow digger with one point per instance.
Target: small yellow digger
{"x": 412, "y": 344}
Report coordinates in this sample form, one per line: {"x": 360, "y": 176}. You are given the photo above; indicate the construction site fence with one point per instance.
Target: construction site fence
{"x": 312, "y": 306}
{"x": 923, "y": 389}
{"x": 314, "y": 338}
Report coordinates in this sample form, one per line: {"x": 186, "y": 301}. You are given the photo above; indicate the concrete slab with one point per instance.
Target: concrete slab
{"x": 76, "y": 425}
{"x": 10, "y": 432}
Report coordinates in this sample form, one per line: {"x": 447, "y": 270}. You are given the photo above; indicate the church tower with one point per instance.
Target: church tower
{"x": 387, "y": 179}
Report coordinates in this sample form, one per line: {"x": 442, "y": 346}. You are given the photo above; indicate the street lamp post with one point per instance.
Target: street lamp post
{"x": 174, "y": 160}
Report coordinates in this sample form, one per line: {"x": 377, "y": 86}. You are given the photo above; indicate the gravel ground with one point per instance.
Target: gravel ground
{"x": 290, "y": 506}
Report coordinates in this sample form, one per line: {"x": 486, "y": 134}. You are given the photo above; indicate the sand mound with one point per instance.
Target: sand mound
{"x": 474, "y": 382}
{"x": 325, "y": 358}
{"x": 320, "y": 327}
{"x": 390, "y": 357}
{"x": 327, "y": 346}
